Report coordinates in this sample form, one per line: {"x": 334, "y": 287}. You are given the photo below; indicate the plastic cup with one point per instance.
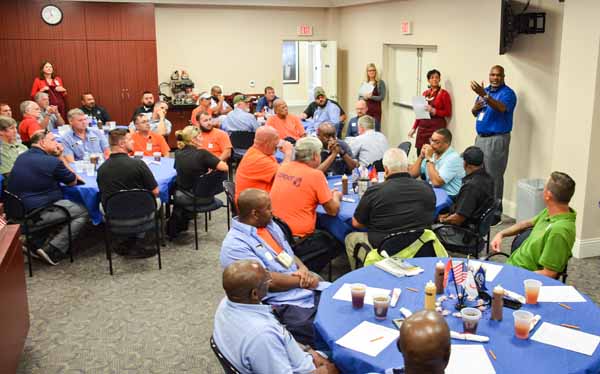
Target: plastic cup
{"x": 111, "y": 125}
{"x": 79, "y": 166}
{"x": 157, "y": 156}
{"x": 470, "y": 318}
{"x": 90, "y": 170}
{"x": 532, "y": 290}
{"x": 94, "y": 157}
{"x": 138, "y": 154}
{"x": 380, "y": 306}
{"x": 358, "y": 291}
{"x": 522, "y": 323}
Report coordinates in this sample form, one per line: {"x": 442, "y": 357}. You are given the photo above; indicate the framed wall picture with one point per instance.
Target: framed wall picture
{"x": 290, "y": 61}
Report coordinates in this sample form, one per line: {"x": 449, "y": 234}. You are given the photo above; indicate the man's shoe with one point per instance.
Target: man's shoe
{"x": 48, "y": 256}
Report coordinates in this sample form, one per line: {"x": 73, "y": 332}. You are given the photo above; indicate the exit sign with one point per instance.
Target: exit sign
{"x": 305, "y": 30}
{"x": 405, "y": 28}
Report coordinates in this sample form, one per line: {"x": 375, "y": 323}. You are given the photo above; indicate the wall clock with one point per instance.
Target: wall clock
{"x": 52, "y": 15}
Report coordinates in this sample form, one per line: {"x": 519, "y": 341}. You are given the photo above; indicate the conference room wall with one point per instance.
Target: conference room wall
{"x": 466, "y": 34}
{"x": 230, "y": 45}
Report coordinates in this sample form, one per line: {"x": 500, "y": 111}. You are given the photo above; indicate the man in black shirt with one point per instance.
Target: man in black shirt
{"x": 147, "y": 105}
{"x": 120, "y": 172}
{"x": 89, "y": 107}
{"x": 400, "y": 203}
{"x": 336, "y": 155}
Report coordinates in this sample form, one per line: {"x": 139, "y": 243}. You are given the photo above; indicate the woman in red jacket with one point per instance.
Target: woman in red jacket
{"x": 51, "y": 84}
{"x": 440, "y": 107}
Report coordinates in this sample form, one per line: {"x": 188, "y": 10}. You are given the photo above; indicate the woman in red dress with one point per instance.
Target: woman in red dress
{"x": 439, "y": 107}
{"x": 51, "y": 84}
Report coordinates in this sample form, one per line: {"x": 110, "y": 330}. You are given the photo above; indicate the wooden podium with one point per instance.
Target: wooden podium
{"x": 14, "y": 308}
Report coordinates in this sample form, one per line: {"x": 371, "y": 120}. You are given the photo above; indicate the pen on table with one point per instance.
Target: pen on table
{"x": 492, "y": 354}
{"x": 376, "y": 339}
{"x": 565, "y": 306}
{"x": 569, "y": 326}
{"x": 412, "y": 289}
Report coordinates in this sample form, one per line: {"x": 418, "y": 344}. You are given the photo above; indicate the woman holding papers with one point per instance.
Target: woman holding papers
{"x": 373, "y": 91}
{"x": 439, "y": 107}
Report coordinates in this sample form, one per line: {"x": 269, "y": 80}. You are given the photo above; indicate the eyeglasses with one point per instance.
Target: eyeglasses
{"x": 435, "y": 141}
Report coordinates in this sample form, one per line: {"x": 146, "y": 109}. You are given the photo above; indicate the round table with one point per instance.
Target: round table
{"x": 335, "y": 318}
{"x": 341, "y": 224}
{"x": 89, "y": 195}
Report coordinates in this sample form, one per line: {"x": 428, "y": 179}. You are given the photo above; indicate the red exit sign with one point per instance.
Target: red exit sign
{"x": 305, "y": 30}
{"x": 405, "y": 28}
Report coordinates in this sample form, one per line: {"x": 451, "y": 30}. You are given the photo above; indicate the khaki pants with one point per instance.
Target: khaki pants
{"x": 351, "y": 240}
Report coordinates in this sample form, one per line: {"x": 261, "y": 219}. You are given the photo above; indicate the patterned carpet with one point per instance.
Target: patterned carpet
{"x": 142, "y": 320}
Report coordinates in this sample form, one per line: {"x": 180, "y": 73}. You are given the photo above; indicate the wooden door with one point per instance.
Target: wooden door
{"x": 138, "y": 72}
{"x": 105, "y": 77}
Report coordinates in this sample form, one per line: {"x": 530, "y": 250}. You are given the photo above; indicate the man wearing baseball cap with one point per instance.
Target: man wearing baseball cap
{"x": 203, "y": 106}
{"x": 240, "y": 118}
{"x": 322, "y": 110}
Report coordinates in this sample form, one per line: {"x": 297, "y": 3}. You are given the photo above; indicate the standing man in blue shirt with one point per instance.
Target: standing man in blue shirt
{"x": 82, "y": 139}
{"x": 254, "y": 236}
{"x": 494, "y": 110}
{"x": 240, "y": 118}
{"x": 248, "y": 334}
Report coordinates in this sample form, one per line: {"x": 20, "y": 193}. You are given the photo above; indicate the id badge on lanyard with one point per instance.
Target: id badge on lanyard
{"x": 285, "y": 260}
{"x": 149, "y": 147}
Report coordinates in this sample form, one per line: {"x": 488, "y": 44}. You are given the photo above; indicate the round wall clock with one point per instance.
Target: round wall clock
{"x": 52, "y": 15}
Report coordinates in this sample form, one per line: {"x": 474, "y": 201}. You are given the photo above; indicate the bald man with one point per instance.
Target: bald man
{"x": 254, "y": 236}
{"x": 336, "y": 156}
{"x": 248, "y": 334}
{"x": 258, "y": 166}
{"x": 425, "y": 343}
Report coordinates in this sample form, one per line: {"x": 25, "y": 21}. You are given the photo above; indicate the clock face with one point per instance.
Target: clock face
{"x": 52, "y": 15}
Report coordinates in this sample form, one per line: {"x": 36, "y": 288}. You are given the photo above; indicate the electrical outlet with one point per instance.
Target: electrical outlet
{"x": 252, "y": 83}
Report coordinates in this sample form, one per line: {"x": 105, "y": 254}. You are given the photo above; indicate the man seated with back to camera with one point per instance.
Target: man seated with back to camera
{"x": 240, "y": 118}
{"x": 248, "y": 334}
{"x": 254, "y": 236}
{"x": 370, "y": 145}
{"x": 336, "y": 156}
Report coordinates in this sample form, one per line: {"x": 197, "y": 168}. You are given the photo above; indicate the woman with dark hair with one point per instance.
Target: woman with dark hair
{"x": 439, "y": 107}
{"x": 51, "y": 84}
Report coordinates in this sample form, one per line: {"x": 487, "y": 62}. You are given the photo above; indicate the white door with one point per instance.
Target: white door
{"x": 329, "y": 68}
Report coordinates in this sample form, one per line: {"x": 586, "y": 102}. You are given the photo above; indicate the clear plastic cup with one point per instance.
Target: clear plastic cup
{"x": 358, "y": 291}
{"x": 79, "y": 166}
{"x": 138, "y": 154}
{"x": 157, "y": 156}
{"x": 381, "y": 304}
{"x": 470, "y": 318}
{"x": 90, "y": 170}
{"x": 532, "y": 290}
{"x": 523, "y": 320}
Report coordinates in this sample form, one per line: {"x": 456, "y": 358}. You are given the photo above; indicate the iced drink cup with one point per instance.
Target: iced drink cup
{"x": 532, "y": 290}
{"x": 138, "y": 154}
{"x": 470, "y": 318}
{"x": 380, "y": 306}
{"x": 157, "y": 156}
{"x": 358, "y": 291}
{"x": 522, "y": 323}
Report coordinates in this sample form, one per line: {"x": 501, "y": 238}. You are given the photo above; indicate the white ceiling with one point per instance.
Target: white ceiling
{"x": 265, "y": 3}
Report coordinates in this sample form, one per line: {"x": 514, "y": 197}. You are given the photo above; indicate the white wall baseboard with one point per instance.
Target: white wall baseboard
{"x": 509, "y": 208}
{"x": 586, "y": 248}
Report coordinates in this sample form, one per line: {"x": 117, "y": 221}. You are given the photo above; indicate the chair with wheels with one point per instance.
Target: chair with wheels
{"x": 225, "y": 364}
{"x": 17, "y": 214}
{"x": 405, "y": 146}
{"x": 127, "y": 213}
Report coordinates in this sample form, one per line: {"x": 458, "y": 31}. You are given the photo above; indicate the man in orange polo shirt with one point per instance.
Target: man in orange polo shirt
{"x": 147, "y": 141}
{"x": 214, "y": 140}
{"x": 203, "y": 106}
{"x": 299, "y": 187}
{"x": 30, "y": 124}
{"x": 258, "y": 167}
{"x": 287, "y": 125}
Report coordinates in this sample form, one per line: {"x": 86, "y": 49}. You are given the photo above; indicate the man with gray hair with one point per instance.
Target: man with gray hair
{"x": 299, "y": 187}
{"x": 30, "y": 123}
{"x": 82, "y": 139}
{"x": 400, "y": 203}
{"x": 10, "y": 148}
{"x": 369, "y": 145}
{"x": 240, "y": 118}
{"x": 50, "y": 117}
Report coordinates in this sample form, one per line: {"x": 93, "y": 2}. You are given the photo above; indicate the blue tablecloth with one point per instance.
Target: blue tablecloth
{"x": 335, "y": 318}
{"x": 89, "y": 195}
{"x": 341, "y": 225}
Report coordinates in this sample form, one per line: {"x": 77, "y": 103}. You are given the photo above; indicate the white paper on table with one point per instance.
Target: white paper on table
{"x": 365, "y": 88}
{"x": 491, "y": 270}
{"x": 566, "y": 338}
{"x": 368, "y": 338}
{"x": 345, "y": 293}
{"x": 471, "y": 358}
{"x": 560, "y": 294}
{"x": 419, "y": 103}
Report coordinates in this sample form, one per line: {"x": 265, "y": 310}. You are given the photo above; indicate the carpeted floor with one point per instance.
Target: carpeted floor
{"x": 142, "y": 320}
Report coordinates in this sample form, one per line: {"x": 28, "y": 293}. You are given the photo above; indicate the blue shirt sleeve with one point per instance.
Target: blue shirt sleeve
{"x": 509, "y": 99}
{"x": 333, "y": 112}
{"x": 270, "y": 352}
{"x": 67, "y": 146}
{"x": 234, "y": 250}
{"x": 451, "y": 169}
{"x": 260, "y": 104}
{"x": 62, "y": 174}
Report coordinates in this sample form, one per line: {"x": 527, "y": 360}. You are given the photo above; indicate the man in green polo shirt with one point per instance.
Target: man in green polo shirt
{"x": 548, "y": 248}
{"x": 10, "y": 148}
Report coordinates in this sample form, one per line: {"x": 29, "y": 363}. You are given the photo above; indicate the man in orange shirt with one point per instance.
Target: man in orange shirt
{"x": 147, "y": 141}
{"x": 30, "y": 124}
{"x": 258, "y": 167}
{"x": 287, "y": 125}
{"x": 214, "y": 140}
{"x": 203, "y": 106}
{"x": 299, "y": 187}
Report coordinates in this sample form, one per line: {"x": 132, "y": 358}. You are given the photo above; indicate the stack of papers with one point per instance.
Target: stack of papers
{"x": 398, "y": 267}
{"x": 419, "y": 106}
{"x": 470, "y": 358}
{"x": 560, "y": 294}
{"x": 345, "y": 293}
{"x": 368, "y": 338}
{"x": 566, "y": 338}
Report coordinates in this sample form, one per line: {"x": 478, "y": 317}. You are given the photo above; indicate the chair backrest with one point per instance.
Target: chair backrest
{"x": 229, "y": 187}
{"x": 209, "y": 184}
{"x": 287, "y": 232}
{"x": 242, "y": 139}
{"x": 519, "y": 239}
{"x": 378, "y": 165}
{"x": 129, "y": 204}
{"x": 227, "y": 366}
{"x": 397, "y": 241}
{"x": 405, "y": 146}
{"x": 487, "y": 218}
{"x": 13, "y": 206}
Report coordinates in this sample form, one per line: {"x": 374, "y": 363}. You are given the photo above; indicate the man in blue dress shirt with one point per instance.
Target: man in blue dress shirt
{"x": 493, "y": 111}
{"x": 248, "y": 334}
{"x": 254, "y": 236}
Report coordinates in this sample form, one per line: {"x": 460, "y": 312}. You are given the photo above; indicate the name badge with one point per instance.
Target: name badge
{"x": 79, "y": 142}
{"x": 93, "y": 138}
{"x": 481, "y": 115}
{"x": 285, "y": 259}
{"x": 149, "y": 147}
{"x": 210, "y": 145}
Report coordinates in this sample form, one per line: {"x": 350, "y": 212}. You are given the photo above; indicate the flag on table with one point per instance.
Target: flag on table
{"x": 480, "y": 278}
{"x": 372, "y": 173}
{"x": 470, "y": 285}
{"x": 448, "y": 272}
{"x": 458, "y": 273}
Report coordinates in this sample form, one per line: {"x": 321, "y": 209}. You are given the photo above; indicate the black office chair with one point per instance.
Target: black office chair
{"x": 203, "y": 198}
{"x": 394, "y": 243}
{"x": 468, "y": 240}
{"x": 316, "y": 250}
{"x": 17, "y": 214}
{"x": 130, "y": 212}
{"x": 241, "y": 141}
{"x": 225, "y": 364}
{"x": 405, "y": 146}
{"x": 229, "y": 188}
{"x": 378, "y": 165}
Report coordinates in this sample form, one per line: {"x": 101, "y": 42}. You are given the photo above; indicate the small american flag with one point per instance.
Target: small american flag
{"x": 458, "y": 270}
